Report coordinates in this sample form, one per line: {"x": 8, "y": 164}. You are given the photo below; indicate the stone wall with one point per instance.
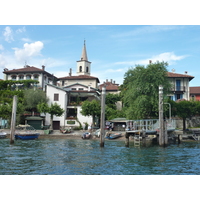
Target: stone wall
{"x": 190, "y": 123}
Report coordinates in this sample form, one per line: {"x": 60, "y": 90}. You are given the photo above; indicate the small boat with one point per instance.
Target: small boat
{"x": 86, "y": 135}
{"x": 3, "y": 135}
{"x": 64, "y": 131}
{"x": 26, "y": 132}
{"x": 113, "y": 135}
{"x": 28, "y": 136}
{"x": 97, "y": 133}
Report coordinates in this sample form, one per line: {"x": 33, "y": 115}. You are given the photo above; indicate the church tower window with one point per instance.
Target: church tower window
{"x": 80, "y": 69}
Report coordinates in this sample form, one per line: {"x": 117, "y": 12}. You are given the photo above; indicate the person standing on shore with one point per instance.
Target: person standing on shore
{"x": 89, "y": 129}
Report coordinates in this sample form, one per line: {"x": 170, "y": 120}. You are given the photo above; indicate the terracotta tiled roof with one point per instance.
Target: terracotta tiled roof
{"x": 175, "y": 75}
{"x": 80, "y": 77}
{"x": 26, "y": 69}
{"x": 109, "y": 86}
{"x": 194, "y": 90}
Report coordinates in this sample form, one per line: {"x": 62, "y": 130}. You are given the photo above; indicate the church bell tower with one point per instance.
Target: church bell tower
{"x": 83, "y": 65}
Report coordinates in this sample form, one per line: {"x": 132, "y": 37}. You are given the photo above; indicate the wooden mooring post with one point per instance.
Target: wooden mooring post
{"x": 13, "y": 120}
{"x": 163, "y": 140}
{"x": 102, "y": 133}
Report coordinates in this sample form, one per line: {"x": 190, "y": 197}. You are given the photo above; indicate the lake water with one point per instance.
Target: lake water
{"x": 86, "y": 157}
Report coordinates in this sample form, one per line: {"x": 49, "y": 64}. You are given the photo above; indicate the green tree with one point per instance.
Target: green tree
{"x": 6, "y": 111}
{"x": 111, "y": 111}
{"x": 91, "y": 108}
{"x": 140, "y": 90}
{"x": 32, "y": 97}
{"x": 53, "y": 110}
{"x": 111, "y": 100}
{"x": 187, "y": 109}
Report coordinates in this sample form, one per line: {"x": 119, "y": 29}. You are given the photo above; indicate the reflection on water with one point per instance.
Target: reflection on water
{"x": 84, "y": 157}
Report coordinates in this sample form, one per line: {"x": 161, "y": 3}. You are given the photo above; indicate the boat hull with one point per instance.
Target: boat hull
{"x": 27, "y": 136}
{"x": 3, "y": 135}
{"x": 114, "y": 136}
{"x": 86, "y": 136}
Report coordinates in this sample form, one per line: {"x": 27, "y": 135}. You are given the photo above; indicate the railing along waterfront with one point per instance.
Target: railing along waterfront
{"x": 148, "y": 125}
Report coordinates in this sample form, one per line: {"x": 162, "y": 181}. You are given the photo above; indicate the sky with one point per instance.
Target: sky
{"x": 112, "y": 49}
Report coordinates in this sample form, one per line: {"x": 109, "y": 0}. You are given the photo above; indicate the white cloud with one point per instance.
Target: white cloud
{"x": 1, "y": 47}
{"x": 2, "y": 61}
{"x": 21, "y": 30}
{"x": 169, "y": 57}
{"x": 26, "y": 40}
{"x": 29, "y": 51}
{"x": 8, "y": 34}
{"x": 146, "y": 30}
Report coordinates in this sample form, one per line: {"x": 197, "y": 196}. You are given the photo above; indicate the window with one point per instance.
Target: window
{"x": 36, "y": 77}
{"x": 80, "y": 88}
{"x": 56, "y": 97}
{"x": 71, "y": 113}
{"x": 63, "y": 83}
{"x": 73, "y": 88}
{"x": 21, "y": 77}
{"x": 87, "y": 69}
{"x": 14, "y": 78}
{"x": 80, "y": 69}
{"x": 28, "y": 77}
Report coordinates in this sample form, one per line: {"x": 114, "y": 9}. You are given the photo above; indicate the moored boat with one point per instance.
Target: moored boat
{"x": 113, "y": 135}
{"x": 3, "y": 135}
{"x": 86, "y": 135}
{"x": 28, "y": 136}
{"x": 26, "y": 132}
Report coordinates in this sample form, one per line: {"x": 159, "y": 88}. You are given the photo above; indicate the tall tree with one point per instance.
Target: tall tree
{"x": 33, "y": 97}
{"x": 91, "y": 108}
{"x": 140, "y": 89}
{"x": 53, "y": 110}
{"x": 187, "y": 109}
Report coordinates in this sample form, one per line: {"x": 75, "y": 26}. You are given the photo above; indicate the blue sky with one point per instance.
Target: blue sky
{"x": 112, "y": 49}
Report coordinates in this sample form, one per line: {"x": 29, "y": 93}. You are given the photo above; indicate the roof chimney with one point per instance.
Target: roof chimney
{"x": 43, "y": 67}
{"x": 70, "y": 71}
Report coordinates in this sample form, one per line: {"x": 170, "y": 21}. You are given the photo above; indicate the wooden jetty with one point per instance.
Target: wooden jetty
{"x": 141, "y": 129}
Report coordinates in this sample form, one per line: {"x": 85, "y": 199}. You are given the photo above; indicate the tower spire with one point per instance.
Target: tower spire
{"x": 84, "y": 53}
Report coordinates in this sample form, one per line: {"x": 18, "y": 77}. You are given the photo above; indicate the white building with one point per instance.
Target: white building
{"x": 30, "y": 72}
{"x": 180, "y": 82}
{"x": 71, "y": 92}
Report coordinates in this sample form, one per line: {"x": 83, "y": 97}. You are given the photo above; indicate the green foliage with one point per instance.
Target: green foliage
{"x": 114, "y": 113}
{"x": 91, "y": 108}
{"x": 6, "y": 96}
{"x": 12, "y": 85}
{"x": 111, "y": 99}
{"x": 6, "y": 111}
{"x": 33, "y": 97}
{"x": 56, "y": 110}
{"x": 53, "y": 110}
{"x": 140, "y": 89}
{"x": 43, "y": 107}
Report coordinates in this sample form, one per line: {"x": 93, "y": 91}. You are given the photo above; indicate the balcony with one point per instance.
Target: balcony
{"x": 178, "y": 89}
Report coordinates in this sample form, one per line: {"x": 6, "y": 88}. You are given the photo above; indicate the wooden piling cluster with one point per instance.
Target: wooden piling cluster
{"x": 13, "y": 120}
{"x": 102, "y": 124}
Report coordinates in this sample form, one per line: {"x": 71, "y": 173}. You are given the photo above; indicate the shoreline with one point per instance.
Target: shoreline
{"x": 58, "y": 135}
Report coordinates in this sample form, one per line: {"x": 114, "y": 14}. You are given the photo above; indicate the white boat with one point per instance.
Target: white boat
{"x": 3, "y": 135}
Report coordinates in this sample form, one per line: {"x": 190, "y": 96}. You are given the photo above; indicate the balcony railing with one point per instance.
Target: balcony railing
{"x": 178, "y": 89}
